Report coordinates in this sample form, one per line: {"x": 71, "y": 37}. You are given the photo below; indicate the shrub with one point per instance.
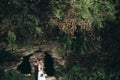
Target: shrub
{"x": 11, "y": 74}
{"x": 81, "y": 73}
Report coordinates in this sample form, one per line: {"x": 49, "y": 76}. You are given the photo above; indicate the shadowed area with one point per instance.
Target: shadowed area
{"x": 49, "y": 64}
{"x": 25, "y": 67}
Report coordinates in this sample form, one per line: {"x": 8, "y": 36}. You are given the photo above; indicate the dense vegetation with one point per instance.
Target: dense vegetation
{"x": 87, "y": 31}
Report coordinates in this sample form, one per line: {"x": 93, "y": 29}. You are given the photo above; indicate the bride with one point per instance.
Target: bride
{"x": 41, "y": 75}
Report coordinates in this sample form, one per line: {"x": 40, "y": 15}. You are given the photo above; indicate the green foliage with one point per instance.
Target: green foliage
{"x": 6, "y": 56}
{"x": 64, "y": 42}
{"x": 38, "y": 30}
{"x": 78, "y": 44}
{"x": 75, "y": 69}
{"x": 1, "y": 70}
{"x": 11, "y": 40}
{"x": 19, "y": 23}
{"x": 114, "y": 76}
{"x": 102, "y": 11}
{"x": 95, "y": 11}
{"x": 80, "y": 73}
{"x": 11, "y": 74}
{"x": 28, "y": 20}
{"x": 32, "y": 77}
{"x": 11, "y": 36}
{"x": 99, "y": 74}
{"x": 88, "y": 16}
{"x": 82, "y": 7}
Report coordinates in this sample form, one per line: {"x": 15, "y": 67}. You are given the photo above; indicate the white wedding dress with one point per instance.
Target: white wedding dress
{"x": 41, "y": 75}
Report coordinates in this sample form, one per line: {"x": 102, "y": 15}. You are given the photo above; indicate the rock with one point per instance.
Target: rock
{"x": 50, "y": 78}
{"x": 39, "y": 52}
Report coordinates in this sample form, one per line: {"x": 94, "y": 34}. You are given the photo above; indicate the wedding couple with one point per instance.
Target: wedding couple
{"x": 39, "y": 70}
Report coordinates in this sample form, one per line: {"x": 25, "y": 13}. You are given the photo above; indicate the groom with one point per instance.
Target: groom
{"x": 36, "y": 69}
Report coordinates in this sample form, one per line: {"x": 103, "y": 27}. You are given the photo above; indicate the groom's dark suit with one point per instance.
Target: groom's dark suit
{"x": 36, "y": 71}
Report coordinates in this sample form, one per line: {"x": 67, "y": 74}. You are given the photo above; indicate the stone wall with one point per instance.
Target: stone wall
{"x": 45, "y": 52}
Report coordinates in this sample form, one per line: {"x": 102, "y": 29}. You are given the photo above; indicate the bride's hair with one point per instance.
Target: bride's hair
{"x": 41, "y": 63}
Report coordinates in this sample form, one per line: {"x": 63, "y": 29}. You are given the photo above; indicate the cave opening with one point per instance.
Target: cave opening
{"x": 49, "y": 64}
{"x": 25, "y": 67}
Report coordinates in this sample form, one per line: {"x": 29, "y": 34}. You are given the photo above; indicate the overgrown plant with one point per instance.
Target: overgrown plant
{"x": 81, "y": 73}
{"x": 18, "y": 24}
{"x": 82, "y": 20}
{"x": 11, "y": 74}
